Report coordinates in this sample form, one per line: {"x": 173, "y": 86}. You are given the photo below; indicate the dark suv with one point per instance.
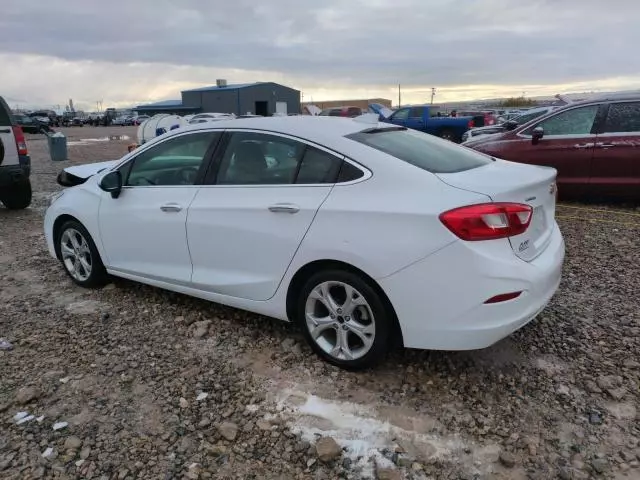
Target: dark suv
{"x": 594, "y": 145}
{"x": 15, "y": 164}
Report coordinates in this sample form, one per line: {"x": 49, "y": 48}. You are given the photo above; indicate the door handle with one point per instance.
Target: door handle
{"x": 5, "y": 130}
{"x": 284, "y": 208}
{"x": 171, "y": 207}
{"x": 583, "y": 146}
{"x": 605, "y": 145}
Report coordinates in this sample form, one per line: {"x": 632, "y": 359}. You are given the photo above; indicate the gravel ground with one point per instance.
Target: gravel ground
{"x": 131, "y": 382}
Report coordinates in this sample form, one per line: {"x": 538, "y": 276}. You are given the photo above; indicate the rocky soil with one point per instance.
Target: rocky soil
{"x": 131, "y": 382}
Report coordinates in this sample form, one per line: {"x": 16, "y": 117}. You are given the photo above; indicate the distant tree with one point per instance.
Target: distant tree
{"x": 518, "y": 102}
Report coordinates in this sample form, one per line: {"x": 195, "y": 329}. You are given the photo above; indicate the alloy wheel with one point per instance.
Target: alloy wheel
{"x": 76, "y": 254}
{"x": 340, "y": 320}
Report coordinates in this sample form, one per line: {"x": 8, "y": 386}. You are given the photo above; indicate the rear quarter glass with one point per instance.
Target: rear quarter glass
{"x": 6, "y": 118}
{"x": 421, "y": 149}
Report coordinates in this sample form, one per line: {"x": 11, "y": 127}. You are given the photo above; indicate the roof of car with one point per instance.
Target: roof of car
{"x": 305, "y": 126}
{"x": 611, "y": 97}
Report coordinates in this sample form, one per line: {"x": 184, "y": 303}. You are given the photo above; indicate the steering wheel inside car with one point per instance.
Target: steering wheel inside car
{"x": 186, "y": 176}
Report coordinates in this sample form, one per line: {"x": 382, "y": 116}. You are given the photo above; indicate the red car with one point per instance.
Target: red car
{"x": 342, "y": 112}
{"x": 480, "y": 118}
{"x": 594, "y": 145}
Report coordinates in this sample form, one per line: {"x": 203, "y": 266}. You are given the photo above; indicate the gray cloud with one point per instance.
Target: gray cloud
{"x": 416, "y": 42}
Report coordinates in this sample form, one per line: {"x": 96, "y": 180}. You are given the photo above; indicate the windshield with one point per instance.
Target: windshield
{"x": 421, "y": 149}
{"x": 527, "y": 117}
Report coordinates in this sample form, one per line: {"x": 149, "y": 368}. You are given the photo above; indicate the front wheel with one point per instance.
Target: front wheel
{"x": 79, "y": 255}
{"x": 344, "y": 320}
{"x": 17, "y": 196}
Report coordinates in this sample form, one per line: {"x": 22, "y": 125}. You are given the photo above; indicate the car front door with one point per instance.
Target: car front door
{"x": 400, "y": 117}
{"x": 247, "y": 222}
{"x": 143, "y": 231}
{"x": 567, "y": 145}
{"x": 615, "y": 168}
{"x": 416, "y": 118}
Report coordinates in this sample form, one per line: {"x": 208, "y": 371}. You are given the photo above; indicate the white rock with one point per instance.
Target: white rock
{"x": 26, "y": 419}
{"x": 201, "y": 396}
{"x": 64, "y": 380}
{"x": 80, "y": 462}
{"x": 49, "y": 453}
{"x": 19, "y": 416}
{"x": 60, "y": 425}
{"x": 40, "y": 419}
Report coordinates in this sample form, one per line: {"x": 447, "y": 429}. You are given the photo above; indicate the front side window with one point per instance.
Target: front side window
{"x": 527, "y": 117}
{"x": 401, "y": 114}
{"x": 623, "y": 118}
{"x": 421, "y": 150}
{"x": 577, "y": 121}
{"x": 176, "y": 161}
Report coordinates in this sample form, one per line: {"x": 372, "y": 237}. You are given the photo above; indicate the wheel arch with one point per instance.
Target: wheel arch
{"x": 57, "y": 225}
{"x": 306, "y": 271}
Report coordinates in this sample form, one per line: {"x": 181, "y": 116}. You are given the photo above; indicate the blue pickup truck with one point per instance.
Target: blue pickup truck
{"x": 427, "y": 118}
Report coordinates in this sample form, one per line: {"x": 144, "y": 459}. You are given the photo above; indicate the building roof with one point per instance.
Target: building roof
{"x": 232, "y": 86}
{"x": 164, "y": 105}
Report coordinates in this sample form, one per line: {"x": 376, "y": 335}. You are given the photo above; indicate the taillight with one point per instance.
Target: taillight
{"x": 488, "y": 221}
{"x": 21, "y": 144}
{"x": 503, "y": 297}
{"x": 471, "y": 124}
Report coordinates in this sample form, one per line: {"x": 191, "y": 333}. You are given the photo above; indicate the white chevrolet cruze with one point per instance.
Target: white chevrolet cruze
{"x": 361, "y": 232}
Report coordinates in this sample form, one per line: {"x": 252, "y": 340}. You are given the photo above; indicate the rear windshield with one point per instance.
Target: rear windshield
{"x": 5, "y": 114}
{"x": 421, "y": 149}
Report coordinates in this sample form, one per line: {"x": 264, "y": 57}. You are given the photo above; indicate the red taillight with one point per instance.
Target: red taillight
{"x": 503, "y": 297}
{"x": 21, "y": 144}
{"x": 488, "y": 221}
{"x": 471, "y": 124}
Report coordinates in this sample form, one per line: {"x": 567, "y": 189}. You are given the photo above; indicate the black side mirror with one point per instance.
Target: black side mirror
{"x": 536, "y": 135}
{"x": 112, "y": 183}
{"x": 510, "y": 125}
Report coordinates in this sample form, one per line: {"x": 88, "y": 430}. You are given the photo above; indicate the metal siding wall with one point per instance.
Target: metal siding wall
{"x": 219, "y": 102}
{"x": 191, "y": 99}
{"x": 265, "y": 93}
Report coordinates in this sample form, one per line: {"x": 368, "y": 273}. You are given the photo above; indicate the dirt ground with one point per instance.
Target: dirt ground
{"x": 132, "y": 382}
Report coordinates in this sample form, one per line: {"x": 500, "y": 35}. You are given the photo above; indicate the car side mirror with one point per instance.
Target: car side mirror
{"x": 510, "y": 125}
{"x": 536, "y": 135}
{"x": 112, "y": 183}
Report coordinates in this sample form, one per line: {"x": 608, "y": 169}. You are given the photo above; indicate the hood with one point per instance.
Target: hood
{"x": 382, "y": 111}
{"x": 72, "y": 176}
{"x": 497, "y": 128}
{"x": 482, "y": 139}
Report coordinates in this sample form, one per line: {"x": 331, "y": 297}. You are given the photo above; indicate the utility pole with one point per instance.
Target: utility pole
{"x": 399, "y": 97}
{"x": 433, "y": 94}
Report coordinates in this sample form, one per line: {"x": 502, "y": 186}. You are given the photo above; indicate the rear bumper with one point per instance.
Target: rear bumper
{"x": 440, "y": 300}
{"x": 12, "y": 174}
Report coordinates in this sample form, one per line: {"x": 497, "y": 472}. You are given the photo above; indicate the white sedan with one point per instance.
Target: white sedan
{"x": 362, "y": 233}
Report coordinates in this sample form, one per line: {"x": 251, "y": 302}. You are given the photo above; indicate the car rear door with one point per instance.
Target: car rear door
{"x": 7, "y": 138}
{"x": 246, "y": 224}
{"x": 416, "y": 118}
{"x": 567, "y": 145}
{"x": 615, "y": 169}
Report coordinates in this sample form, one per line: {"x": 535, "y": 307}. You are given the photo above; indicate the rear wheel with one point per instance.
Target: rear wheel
{"x": 344, "y": 319}
{"x": 17, "y": 196}
{"x": 79, "y": 255}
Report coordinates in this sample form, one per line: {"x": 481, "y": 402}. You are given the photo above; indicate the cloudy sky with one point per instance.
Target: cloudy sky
{"x": 130, "y": 52}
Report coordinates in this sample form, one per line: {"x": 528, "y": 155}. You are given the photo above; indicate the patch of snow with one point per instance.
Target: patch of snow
{"x": 201, "y": 396}
{"x": 358, "y": 429}
{"x": 19, "y": 416}
{"x": 60, "y": 425}
{"x": 26, "y": 419}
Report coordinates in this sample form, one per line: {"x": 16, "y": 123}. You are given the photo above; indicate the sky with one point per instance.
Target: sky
{"x": 132, "y": 52}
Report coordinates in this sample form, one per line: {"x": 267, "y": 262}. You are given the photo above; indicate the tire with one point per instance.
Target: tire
{"x": 79, "y": 246}
{"x": 447, "y": 134}
{"x": 369, "y": 320}
{"x": 17, "y": 196}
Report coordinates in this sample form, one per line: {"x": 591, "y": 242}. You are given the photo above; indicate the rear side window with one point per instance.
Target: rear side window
{"x": 5, "y": 114}
{"x": 416, "y": 112}
{"x": 623, "y": 117}
{"x": 421, "y": 150}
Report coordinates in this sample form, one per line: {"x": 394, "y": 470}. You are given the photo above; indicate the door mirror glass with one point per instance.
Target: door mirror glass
{"x": 536, "y": 134}
{"x": 112, "y": 183}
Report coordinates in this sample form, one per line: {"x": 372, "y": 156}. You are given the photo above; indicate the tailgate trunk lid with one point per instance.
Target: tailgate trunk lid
{"x": 505, "y": 181}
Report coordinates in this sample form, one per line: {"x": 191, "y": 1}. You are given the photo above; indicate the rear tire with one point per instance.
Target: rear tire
{"x": 17, "y": 196}
{"x": 448, "y": 134}
{"x": 344, "y": 320}
{"x": 79, "y": 256}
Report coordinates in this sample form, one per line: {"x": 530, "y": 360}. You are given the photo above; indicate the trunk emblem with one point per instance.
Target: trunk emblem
{"x": 552, "y": 188}
{"x": 530, "y": 199}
